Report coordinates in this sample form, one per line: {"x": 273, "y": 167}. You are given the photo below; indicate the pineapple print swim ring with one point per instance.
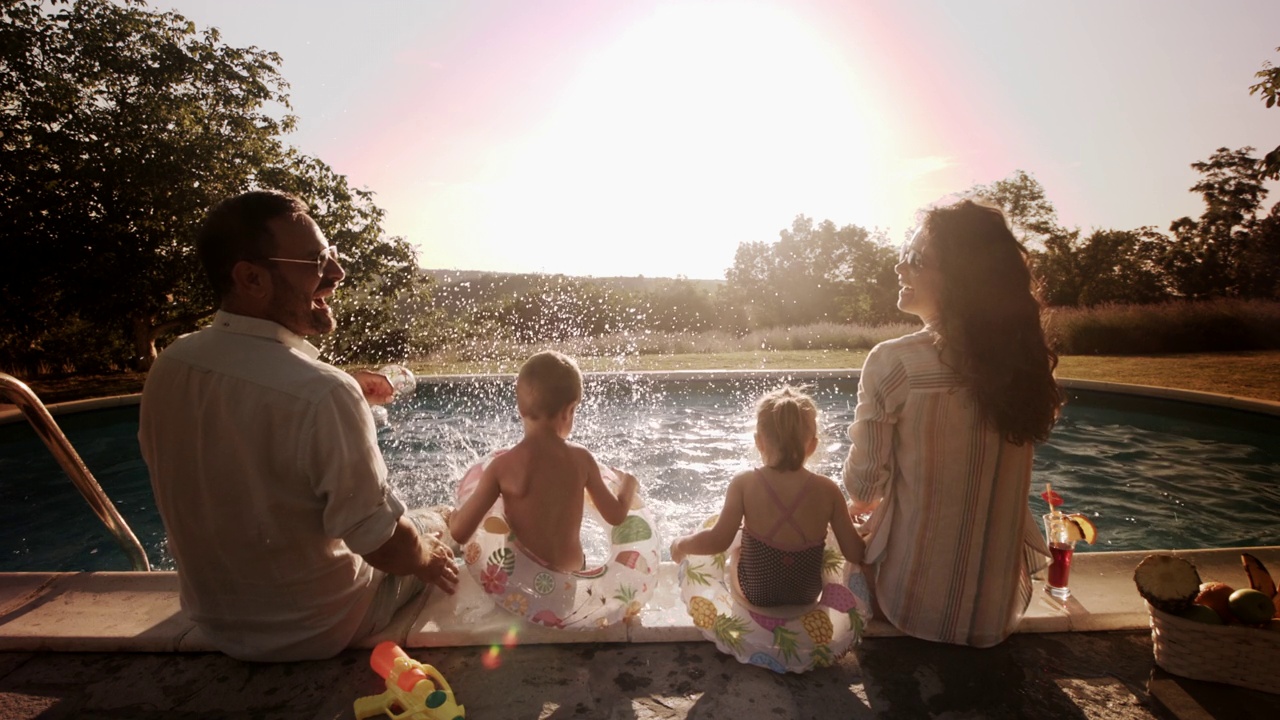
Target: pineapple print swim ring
{"x": 592, "y": 598}
{"x": 795, "y": 638}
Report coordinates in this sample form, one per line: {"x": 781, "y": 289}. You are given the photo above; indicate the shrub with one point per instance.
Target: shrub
{"x": 1170, "y": 327}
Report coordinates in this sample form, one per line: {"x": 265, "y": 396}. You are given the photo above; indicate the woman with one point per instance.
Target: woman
{"x": 943, "y": 434}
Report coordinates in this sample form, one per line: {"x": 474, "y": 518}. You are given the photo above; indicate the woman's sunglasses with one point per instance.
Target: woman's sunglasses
{"x": 912, "y": 257}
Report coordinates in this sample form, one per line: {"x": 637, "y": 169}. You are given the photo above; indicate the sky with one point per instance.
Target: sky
{"x": 648, "y": 137}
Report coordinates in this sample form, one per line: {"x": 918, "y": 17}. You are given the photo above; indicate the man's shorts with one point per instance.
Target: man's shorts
{"x": 395, "y": 591}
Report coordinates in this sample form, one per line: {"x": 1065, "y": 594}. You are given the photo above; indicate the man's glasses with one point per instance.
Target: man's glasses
{"x": 912, "y": 257}
{"x": 328, "y": 254}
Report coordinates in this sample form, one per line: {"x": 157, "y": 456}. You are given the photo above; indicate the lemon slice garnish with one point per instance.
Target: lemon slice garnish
{"x": 1080, "y": 528}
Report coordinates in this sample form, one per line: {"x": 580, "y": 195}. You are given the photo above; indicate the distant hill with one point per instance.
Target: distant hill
{"x": 515, "y": 283}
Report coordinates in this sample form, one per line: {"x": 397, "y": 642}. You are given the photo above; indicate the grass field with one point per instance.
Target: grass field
{"x": 1254, "y": 374}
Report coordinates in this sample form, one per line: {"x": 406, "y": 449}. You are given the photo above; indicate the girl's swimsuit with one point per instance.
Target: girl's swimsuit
{"x": 770, "y": 575}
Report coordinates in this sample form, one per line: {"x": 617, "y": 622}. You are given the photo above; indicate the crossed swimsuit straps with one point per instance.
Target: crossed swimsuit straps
{"x": 769, "y": 575}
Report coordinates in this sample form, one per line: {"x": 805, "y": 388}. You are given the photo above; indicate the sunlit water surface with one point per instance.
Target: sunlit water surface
{"x": 1151, "y": 473}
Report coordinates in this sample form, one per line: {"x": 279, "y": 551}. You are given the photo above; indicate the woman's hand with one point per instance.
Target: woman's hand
{"x": 376, "y": 387}
{"x": 858, "y": 511}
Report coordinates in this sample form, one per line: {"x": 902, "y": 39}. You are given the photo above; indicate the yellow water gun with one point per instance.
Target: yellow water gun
{"x": 415, "y": 691}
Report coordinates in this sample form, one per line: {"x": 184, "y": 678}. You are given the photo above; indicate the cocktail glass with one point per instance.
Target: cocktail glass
{"x": 1061, "y": 548}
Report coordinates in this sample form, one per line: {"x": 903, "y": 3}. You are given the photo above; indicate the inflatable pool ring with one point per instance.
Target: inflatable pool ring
{"x": 795, "y": 638}
{"x": 589, "y": 599}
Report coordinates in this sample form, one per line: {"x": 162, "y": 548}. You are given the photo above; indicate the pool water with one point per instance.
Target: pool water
{"x": 1151, "y": 473}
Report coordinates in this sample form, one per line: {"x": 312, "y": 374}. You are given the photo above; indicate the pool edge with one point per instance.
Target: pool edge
{"x": 140, "y": 612}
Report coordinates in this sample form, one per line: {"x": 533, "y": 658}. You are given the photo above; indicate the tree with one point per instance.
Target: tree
{"x": 1268, "y": 87}
{"x": 1058, "y": 269}
{"x": 559, "y": 308}
{"x": 1022, "y": 199}
{"x": 1218, "y": 254}
{"x": 1108, "y": 266}
{"x": 748, "y": 281}
{"x": 384, "y": 308}
{"x": 119, "y": 128}
{"x": 679, "y": 306}
{"x": 815, "y": 273}
{"x": 1122, "y": 266}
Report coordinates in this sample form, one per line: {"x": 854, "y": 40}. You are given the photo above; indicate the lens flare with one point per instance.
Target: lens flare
{"x": 512, "y": 638}
{"x": 492, "y": 658}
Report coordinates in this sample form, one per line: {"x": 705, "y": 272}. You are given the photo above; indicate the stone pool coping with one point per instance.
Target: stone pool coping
{"x": 139, "y": 612}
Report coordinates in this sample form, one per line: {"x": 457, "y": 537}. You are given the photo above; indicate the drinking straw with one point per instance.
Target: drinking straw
{"x": 1048, "y": 497}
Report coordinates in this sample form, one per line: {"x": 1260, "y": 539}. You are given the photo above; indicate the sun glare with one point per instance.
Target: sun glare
{"x": 701, "y": 127}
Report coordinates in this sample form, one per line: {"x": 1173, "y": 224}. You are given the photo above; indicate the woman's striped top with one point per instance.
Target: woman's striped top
{"x": 952, "y": 545}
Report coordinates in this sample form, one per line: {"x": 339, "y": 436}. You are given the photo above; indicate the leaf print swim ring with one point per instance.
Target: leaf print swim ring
{"x": 794, "y": 638}
{"x": 589, "y": 599}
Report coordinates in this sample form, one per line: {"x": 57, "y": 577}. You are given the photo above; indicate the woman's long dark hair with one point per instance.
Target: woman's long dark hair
{"x": 990, "y": 325}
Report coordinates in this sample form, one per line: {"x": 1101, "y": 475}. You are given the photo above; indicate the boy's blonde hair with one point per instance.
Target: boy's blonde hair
{"x": 786, "y": 420}
{"x": 548, "y": 383}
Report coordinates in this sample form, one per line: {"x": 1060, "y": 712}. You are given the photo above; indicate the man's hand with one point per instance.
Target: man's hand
{"x": 422, "y": 555}
{"x": 440, "y": 569}
{"x": 376, "y": 387}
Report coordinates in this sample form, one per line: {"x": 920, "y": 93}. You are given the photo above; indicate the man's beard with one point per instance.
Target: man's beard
{"x": 296, "y": 311}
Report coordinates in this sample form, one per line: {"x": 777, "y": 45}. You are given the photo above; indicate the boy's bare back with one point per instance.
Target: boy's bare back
{"x": 542, "y": 481}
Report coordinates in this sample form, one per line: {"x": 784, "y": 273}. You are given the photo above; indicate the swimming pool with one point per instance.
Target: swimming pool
{"x": 1152, "y": 472}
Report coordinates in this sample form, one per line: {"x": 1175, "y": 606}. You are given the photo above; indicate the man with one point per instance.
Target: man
{"x": 264, "y": 460}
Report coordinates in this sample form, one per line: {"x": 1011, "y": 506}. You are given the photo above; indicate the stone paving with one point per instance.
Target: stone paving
{"x": 1060, "y": 675}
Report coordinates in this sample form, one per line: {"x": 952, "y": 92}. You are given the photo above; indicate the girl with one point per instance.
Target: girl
{"x": 943, "y": 434}
{"x": 782, "y": 509}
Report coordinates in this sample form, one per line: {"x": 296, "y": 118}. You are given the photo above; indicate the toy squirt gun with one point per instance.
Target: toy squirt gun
{"x": 415, "y": 691}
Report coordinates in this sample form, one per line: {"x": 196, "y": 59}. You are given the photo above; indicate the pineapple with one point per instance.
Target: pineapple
{"x": 822, "y": 656}
{"x": 818, "y": 625}
{"x": 693, "y": 573}
{"x": 785, "y": 641}
{"x": 1169, "y": 583}
{"x": 729, "y": 630}
{"x": 832, "y": 561}
{"x": 703, "y": 612}
{"x": 627, "y": 594}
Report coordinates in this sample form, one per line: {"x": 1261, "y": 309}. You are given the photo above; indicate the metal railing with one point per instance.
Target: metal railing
{"x": 38, "y": 415}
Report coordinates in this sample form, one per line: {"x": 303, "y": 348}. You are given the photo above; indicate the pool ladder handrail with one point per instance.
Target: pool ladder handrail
{"x": 43, "y": 423}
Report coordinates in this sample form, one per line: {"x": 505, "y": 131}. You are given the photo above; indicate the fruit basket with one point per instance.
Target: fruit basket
{"x": 1237, "y": 655}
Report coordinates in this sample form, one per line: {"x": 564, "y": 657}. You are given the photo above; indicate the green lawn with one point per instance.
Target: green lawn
{"x": 1243, "y": 374}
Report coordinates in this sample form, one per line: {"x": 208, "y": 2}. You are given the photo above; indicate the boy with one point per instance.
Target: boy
{"x": 541, "y": 480}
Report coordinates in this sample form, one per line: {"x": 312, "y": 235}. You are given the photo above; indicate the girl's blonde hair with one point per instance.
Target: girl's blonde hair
{"x": 786, "y": 420}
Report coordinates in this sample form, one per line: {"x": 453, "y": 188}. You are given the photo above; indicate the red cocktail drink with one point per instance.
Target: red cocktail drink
{"x": 1061, "y": 549}
{"x": 1060, "y": 570}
